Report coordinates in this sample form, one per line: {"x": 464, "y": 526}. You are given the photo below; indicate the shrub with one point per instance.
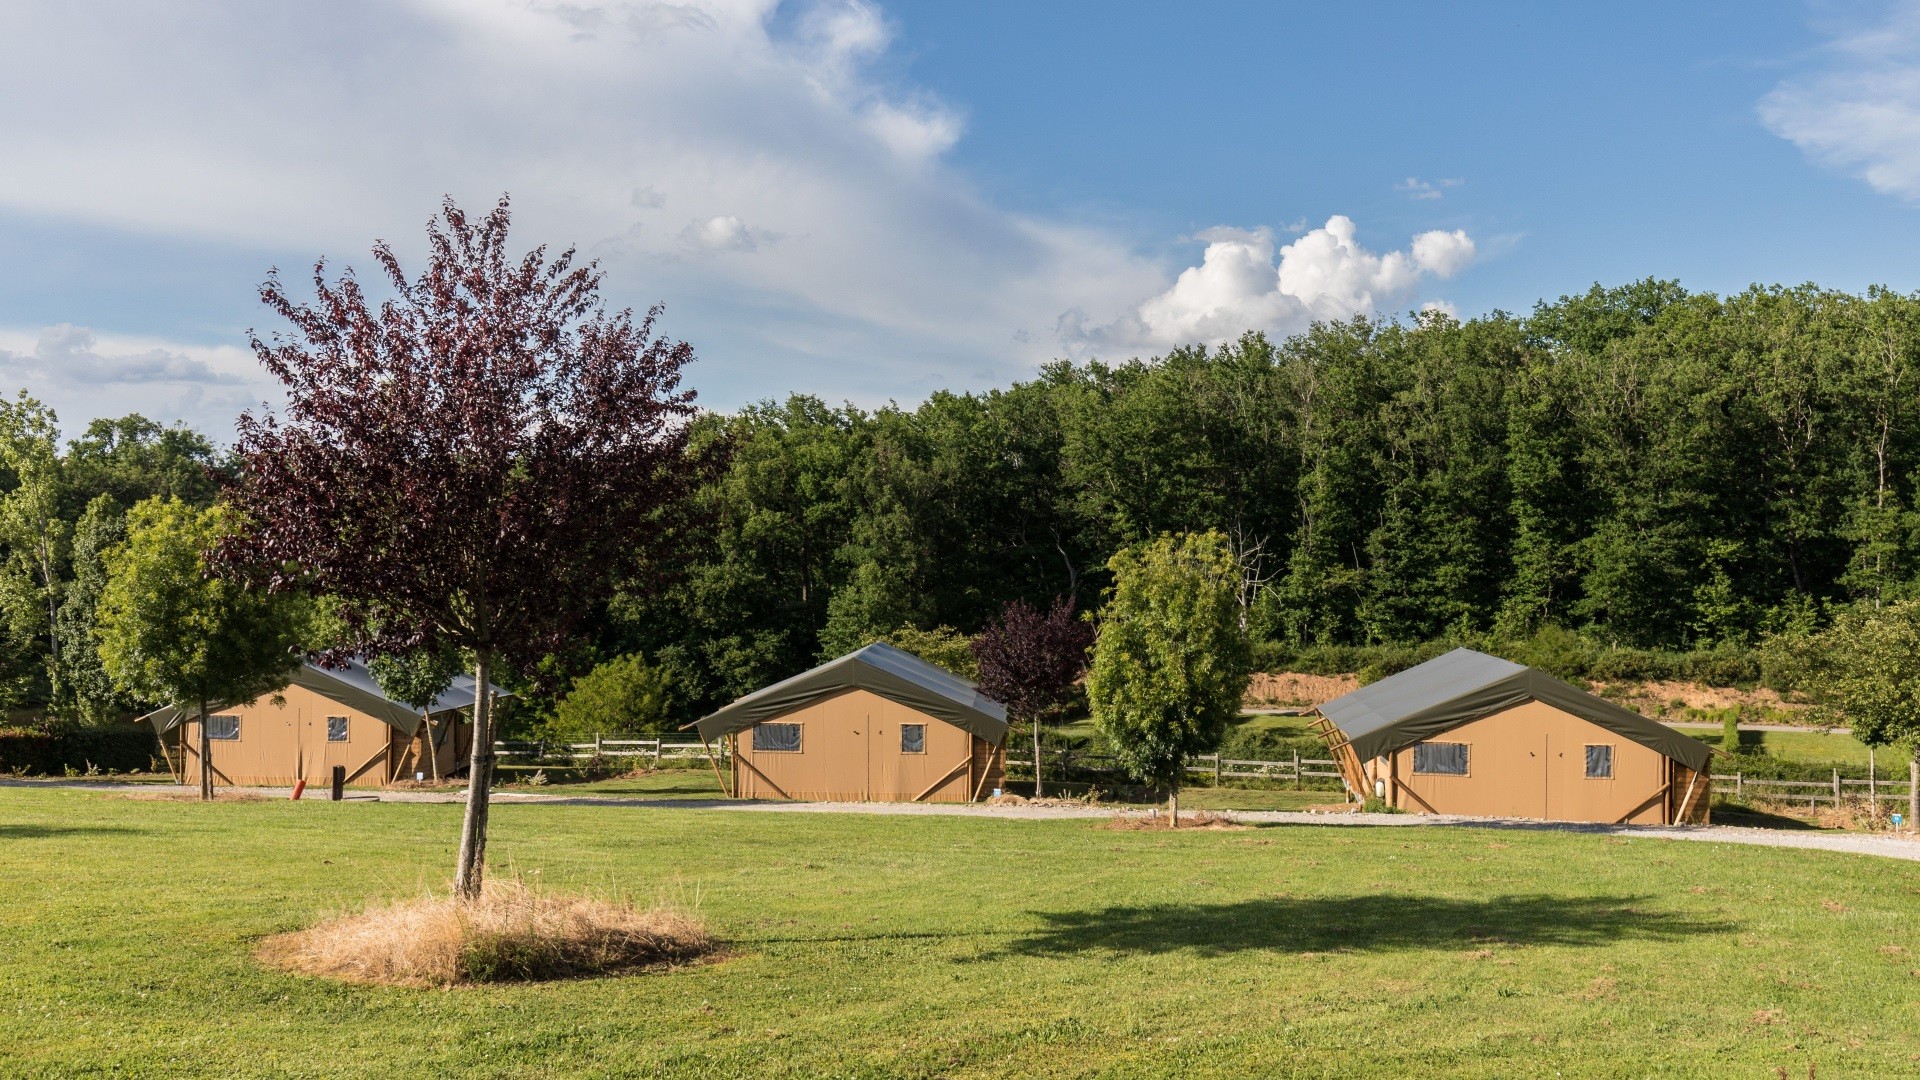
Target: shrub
{"x": 624, "y": 695}
{"x": 62, "y": 747}
{"x": 943, "y": 647}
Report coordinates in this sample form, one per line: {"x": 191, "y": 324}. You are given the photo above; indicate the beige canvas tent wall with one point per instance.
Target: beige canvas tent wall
{"x": 324, "y": 718}
{"x": 876, "y": 725}
{"x": 1467, "y": 733}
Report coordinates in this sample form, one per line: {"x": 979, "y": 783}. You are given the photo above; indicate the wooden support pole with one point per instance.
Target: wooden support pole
{"x": 739, "y": 761}
{"x": 1913, "y": 794}
{"x": 714, "y": 761}
{"x": 947, "y": 779}
{"x": 1686, "y": 801}
{"x": 1836, "y": 789}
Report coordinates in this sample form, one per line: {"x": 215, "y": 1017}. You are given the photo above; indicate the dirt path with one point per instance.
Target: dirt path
{"x": 1886, "y": 846}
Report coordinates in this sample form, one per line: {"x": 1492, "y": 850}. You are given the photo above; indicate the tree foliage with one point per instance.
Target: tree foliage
{"x": 170, "y": 629}
{"x": 1170, "y": 663}
{"x": 625, "y": 695}
{"x": 1031, "y": 662}
{"x": 474, "y": 464}
{"x": 1867, "y": 666}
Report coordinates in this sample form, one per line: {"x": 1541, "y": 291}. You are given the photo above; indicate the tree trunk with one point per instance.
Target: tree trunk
{"x": 1038, "y": 789}
{"x": 206, "y": 756}
{"x": 428, "y": 752}
{"x": 468, "y": 873}
{"x": 1173, "y": 807}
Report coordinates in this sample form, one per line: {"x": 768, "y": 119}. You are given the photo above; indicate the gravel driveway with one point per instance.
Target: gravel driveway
{"x": 1886, "y": 846}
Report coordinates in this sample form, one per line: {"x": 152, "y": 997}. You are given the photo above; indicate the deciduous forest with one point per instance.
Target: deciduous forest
{"x": 1648, "y": 467}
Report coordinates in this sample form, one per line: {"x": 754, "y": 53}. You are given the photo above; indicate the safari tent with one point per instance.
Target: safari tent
{"x": 324, "y": 718}
{"x": 876, "y": 725}
{"x": 1467, "y": 733}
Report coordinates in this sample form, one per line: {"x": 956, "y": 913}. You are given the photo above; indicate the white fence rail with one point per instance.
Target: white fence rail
{"x": 604, "y": 749}
{"x": 1292, "y": 770}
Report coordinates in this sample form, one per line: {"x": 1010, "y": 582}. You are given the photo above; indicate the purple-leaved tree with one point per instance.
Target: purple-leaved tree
{"x": 471, "y": 464}
{"x": 1030, "y": 661}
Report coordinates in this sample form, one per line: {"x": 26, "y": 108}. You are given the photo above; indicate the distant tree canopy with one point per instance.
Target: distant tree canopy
{"x": 1644, "y": 465}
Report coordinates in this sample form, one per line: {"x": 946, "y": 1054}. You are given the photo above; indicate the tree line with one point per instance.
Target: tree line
{"x": 1650, "y": 467}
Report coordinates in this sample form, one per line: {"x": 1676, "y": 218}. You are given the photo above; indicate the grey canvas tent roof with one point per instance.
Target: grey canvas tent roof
{"x": 879, "y": 668}
{"x": 355, "y": 687}
{"x": 1463, "y": 685}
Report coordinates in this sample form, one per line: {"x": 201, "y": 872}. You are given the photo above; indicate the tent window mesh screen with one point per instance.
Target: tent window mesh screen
{"x": 780, "y": 738}
{"x": 1600, "y": 762}
{"x": 913, "y": 738}
{"x": 1444, "y": 758}
{"x": 223, "y": 727}
{"x": 336, "y": 729}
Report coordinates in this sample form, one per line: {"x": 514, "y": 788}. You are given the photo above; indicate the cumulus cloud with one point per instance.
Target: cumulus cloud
{"x": 1859, "y": 110}
{"x": 758, "y": 166}
{"x": 1240, "y": 285}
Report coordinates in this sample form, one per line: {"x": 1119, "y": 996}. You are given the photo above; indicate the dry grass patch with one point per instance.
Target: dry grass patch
{"x": 1201, "y": 819}
{"x": 513, "y": 933}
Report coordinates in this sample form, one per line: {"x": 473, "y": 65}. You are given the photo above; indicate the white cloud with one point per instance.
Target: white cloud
{"x": 1325, "y": 274}
{"x": 791, "y": 202}
{"x": 1415, "y": 188}
{"x": 1859, "y": 112}
{"x": 83, "y": 375}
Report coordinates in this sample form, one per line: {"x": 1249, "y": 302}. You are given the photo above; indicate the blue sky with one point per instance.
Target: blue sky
{"x": 872, "y": 200}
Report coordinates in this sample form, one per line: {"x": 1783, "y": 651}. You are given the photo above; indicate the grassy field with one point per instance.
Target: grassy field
{"x": 911, "y": 946}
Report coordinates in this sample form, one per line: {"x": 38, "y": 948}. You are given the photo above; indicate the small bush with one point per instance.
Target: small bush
{"x": 624, "y": 696}
{"x": 513, "y": 933}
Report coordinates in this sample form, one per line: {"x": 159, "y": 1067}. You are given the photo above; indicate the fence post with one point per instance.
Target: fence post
{"x": 1739, "y": 785}
{"x": 1296, "y": 770}
{"x": 596, "y": 746}
{"x": 1836, "y": 789}
{"x": 1216, "y": 768}
{"x": 656, "y": 753}
{"x": 1913, "y": 793}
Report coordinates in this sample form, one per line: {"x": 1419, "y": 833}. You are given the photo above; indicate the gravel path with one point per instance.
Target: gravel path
{"x": 1886, "y": 846}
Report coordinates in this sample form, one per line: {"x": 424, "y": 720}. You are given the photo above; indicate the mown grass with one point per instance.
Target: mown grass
{"x": 866, "y": 945}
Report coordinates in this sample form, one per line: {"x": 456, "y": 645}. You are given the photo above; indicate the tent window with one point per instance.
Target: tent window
{"x": 1443, "y": 758}
{"x": 336, "y": 729}
{"x": 913, "y": 738}
{"x": 780, "y": 738}
{"x": 1600, "y": 762}
{"x": 223, "y": 727}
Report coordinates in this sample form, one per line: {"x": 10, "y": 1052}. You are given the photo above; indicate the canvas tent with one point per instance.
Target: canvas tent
{"x": 875, "y": 725}
{"x": 325, "y": 717}
{"x": 1469, "y": 733}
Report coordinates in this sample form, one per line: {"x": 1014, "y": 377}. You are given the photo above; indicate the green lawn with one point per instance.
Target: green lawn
{"x": 1814, "y": 746}
{"x": 915, "y": 946}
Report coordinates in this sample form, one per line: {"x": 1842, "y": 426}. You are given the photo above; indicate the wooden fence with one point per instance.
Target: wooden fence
{"x": 1814, "y": 792}
{"x": 1294, "y": 770}
{"x": 543, "y": 753}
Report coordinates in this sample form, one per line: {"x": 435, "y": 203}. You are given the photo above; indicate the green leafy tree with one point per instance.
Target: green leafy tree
{"x": 90, "y": 693}
{"x": 942, "y": 646}
{"x": 417, "y": 678}
{"x": 171, "y": 630}
{"x": 1867, "y": 665}
{"x": 31, "y": 524}
{"x": 625, "y": 695}
{"x": 1170, "y": 663}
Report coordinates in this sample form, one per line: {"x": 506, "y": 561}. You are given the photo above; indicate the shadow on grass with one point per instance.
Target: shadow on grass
{"x": 1752, "y": 818}
{"x": 33, "y": 832}
{"x": 1380, "y": 922}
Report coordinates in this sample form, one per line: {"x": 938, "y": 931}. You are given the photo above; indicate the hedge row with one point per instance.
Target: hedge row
{"x": 54, "y": 751}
